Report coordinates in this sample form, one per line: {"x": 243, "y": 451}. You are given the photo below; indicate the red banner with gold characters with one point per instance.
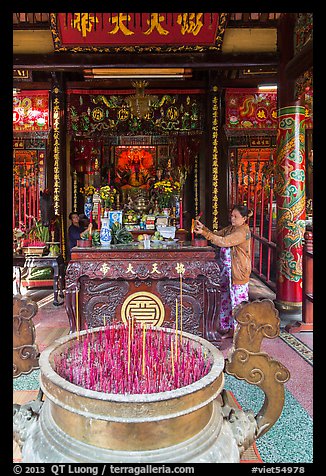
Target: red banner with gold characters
{"x": 250, "y": 109}
{"x": 31, "y": 111}
{"x": 130, "y": 29}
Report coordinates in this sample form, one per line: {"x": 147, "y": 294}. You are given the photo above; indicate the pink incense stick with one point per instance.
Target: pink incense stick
{"x": 106, "y": 361}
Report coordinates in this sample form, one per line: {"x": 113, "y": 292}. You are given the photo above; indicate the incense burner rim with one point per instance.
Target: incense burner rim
{"x": 48, "y": 370}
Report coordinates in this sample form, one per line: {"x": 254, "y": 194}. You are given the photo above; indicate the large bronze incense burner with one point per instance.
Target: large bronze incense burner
{"x": 194, "y": 423}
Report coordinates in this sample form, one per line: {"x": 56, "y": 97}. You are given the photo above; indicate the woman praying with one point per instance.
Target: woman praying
{"x": 234, "y": 261}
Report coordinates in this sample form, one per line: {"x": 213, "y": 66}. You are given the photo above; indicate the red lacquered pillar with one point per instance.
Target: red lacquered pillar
{"x": 290, "y": 199}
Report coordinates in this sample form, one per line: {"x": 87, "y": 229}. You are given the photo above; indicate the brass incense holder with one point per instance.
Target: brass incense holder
{"x": 192, "y": 424}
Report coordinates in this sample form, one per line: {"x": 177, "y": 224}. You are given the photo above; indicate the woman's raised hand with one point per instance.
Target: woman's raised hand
{"x": 198, "y": 227}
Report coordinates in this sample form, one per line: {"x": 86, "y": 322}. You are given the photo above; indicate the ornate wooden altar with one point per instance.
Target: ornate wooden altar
{"x": 111, "y": 285}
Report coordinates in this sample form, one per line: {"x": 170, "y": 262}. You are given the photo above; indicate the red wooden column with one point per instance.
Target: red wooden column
{"x": 308, "y": 301}
{"x": 290, "y": 199}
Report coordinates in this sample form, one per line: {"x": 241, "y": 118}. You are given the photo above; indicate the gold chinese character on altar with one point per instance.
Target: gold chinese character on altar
{"x": 180, "y": 268}
{"x": 130, "y": 269}
{"x": 104, "y": 268}
{"x": 155, "y": 269}
{"x": 98, "y": 114}
{"x": 123, "y": 114}
{"x": 172, "y": 113}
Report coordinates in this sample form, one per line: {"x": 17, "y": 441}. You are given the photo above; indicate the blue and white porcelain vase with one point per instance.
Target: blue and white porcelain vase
{"x": 88, "y": 206}
{"x": 105, "y": 233}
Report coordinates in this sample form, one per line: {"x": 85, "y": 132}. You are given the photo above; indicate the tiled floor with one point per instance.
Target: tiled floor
{"x": 294, "y": 351}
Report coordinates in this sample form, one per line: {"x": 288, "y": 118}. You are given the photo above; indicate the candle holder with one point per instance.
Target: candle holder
{"x": 84, "y": 243}
{"x": 199, "y": 242}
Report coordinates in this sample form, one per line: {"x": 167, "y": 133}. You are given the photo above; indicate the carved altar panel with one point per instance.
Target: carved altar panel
{"x": 106, "y": 282}
{"x": 152, "y": 301}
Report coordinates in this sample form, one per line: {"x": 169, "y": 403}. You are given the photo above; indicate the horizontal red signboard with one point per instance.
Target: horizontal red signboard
{"x": 114, "y": 29}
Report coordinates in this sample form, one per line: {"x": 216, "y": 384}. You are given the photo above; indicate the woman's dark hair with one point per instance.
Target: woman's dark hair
{"x": 243, "y": 210}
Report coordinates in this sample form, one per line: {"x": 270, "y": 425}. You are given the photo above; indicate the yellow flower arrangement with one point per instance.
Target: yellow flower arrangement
{"x": 108, "y": 193}
{"x": 88, "y": 191}
{"x": 164, "y": 190}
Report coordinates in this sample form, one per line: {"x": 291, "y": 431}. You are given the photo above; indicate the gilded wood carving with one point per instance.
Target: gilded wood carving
{"x": 25, "y": 351}
{"x": 257, "y": 320}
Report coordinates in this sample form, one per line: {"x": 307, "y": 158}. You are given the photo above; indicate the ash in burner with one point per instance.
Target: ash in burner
{"x": 132, "y": 359}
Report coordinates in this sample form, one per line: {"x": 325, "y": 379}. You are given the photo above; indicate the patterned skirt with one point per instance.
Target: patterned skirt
{"x": 231, "y": 294}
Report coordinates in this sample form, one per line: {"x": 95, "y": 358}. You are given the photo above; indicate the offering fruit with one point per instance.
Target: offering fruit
{"x": 157, "y": 236}
{"x": 140, "y": 238}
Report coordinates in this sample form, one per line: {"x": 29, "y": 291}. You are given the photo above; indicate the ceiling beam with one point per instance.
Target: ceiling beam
{"x": 77, "y": 62}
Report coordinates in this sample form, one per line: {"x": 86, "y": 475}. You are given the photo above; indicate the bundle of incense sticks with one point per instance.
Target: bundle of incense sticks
{"x": 110, "y": 361}
{"x": 193, "y": 224}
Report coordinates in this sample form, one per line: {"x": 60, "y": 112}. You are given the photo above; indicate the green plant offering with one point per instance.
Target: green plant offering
{"x": 96, "y": 238}
{"x": 39, "y": 233}
{"x": 85, "y": 235}
{"x": 120, "y": 235}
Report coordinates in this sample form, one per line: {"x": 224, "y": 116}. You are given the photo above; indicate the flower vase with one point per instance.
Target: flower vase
{"x": 105, "y": 233}
{"x": 88, "y": 206}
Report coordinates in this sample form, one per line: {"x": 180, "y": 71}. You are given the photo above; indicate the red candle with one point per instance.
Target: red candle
{"x": 33, "y": 201}
{"x": 29, "y": 204}
{"x": 91, "y": 217}
{"x": 180, "y": 213}
{"x": 25, "y": 202}
{"x": 19, "y": 205}
{"x": 13, "y": 209}
{"x": 99, "y": 215}
{"x": 37, "y": 191}
{"x": 109, "y": 177}
{"x": 192, "y": 229}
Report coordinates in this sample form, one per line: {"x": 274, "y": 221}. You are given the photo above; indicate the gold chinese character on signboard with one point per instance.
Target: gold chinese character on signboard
{"x": 155, "y": 24}
{"x": 119, "y": 20}
{"x": 190, "y": 23}
{"x": 83, "y": 22}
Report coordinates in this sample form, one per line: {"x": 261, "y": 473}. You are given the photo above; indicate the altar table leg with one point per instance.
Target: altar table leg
{"x": 55, "y": 286}
{"x": 17, "y": 279}
{"x": 61, "y": 280}
{"x": 70, "y": 304}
